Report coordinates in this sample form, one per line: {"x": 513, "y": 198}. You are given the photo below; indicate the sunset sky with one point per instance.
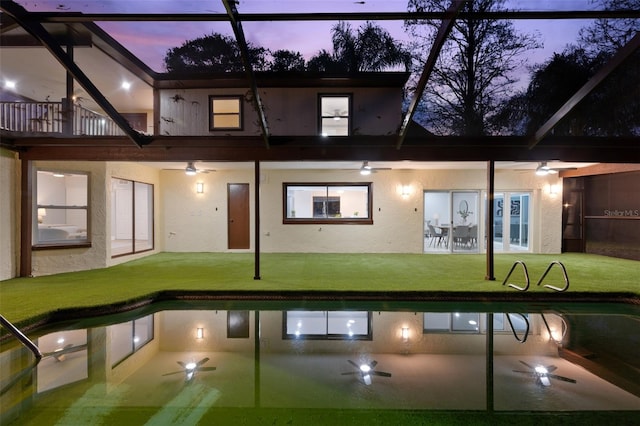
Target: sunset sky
{"x": 151, "y": 40}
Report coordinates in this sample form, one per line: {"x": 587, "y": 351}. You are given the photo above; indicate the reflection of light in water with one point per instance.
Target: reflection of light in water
{"x": 541, "y": 370}
{"x": 365, "y": 368}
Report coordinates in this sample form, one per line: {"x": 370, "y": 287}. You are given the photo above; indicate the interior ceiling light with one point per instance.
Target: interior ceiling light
{"x": 543, "y": 169}
{"x": 365, "y": 169}
{"x": 191, "y": 169}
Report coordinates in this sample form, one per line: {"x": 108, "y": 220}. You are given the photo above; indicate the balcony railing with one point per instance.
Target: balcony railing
{"x": 50, "y": 118}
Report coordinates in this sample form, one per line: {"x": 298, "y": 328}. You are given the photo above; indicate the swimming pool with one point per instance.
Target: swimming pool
{"x": 321, "y": 361}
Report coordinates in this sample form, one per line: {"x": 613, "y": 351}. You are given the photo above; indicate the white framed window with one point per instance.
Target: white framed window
{"x": 337, "y": 325}
{"x": 225, "y": 112}
{"x": 335, "y": 114}
{"x": 61, "y": 209}
{"x": 472, "y": 322}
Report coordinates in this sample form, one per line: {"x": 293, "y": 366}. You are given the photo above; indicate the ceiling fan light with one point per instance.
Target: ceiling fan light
{"x": 191, "y": 169}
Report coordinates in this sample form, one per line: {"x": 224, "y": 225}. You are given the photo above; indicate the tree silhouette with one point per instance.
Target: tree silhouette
{"x": 286, "y": 60}
{"x": 611, "y": 109}
{"x": 370, "y": 48}
{"x": 213, "y": 53}
{"x": 475, "y": 71}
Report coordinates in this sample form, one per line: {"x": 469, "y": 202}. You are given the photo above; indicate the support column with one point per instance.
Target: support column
{"x": 256, "y": 190}
{"x": 491, "y": 174}
{"x": 26, "y": 216}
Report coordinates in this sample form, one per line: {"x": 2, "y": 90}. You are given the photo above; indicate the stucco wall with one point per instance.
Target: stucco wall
{"x": 198, "y": 222}
{"x": 9, "y": 214}
{"x": 54, "y": 261}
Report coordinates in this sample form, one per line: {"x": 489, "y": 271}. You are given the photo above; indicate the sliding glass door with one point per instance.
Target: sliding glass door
{"x": 131, "y": 217}
{"x": 451, "y": 220}
{"x": 511, "y": 219}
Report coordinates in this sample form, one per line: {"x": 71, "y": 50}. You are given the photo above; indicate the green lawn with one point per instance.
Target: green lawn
{"x": 24, "y": 299}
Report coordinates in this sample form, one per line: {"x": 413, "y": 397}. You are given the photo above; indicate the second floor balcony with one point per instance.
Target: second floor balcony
{"x": 51, "y": 118}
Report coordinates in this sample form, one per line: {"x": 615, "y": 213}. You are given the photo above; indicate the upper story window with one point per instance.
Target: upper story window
{"x": 225, "y": 113}
{"x": 335, "y": 115}
{"x": 61, "y": 209}
{"x": 327, "y": 203}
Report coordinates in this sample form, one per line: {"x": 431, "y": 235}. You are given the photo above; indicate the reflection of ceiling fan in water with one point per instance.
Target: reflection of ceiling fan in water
{"x": 190, "y": 369}
{"x": 366, "y": 371}
{"x": 59, "y": 354}
{"x": 543, "y": 374}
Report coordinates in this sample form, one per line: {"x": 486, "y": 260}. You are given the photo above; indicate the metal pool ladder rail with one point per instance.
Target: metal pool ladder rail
{"x": 526, "y": 276}
{"x": 564, "y": 274}
{"x": 20, "y": 336}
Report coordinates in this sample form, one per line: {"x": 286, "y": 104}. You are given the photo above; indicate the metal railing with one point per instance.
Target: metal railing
{"x": 526, "y": 276}
{"x": 21, "y": 337}
{"x": 50, "y": 117}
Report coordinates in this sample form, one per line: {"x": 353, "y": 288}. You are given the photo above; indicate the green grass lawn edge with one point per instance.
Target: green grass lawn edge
{"x": 28, "y": 300}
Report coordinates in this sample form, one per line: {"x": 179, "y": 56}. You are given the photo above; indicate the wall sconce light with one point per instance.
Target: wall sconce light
{"x": 405, "y": 333}
{"x": 553, "y": 189}
{"x": 406, "y": 191}
{"x": 199, "y": 333}
{"x": 200, "y": 187}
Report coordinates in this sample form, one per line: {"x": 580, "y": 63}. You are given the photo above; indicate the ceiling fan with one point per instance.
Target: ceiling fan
{"x": 366, "y": 168}
{"x": 543, "y": 374}
{"x": 191, "y": 368}
{"x": 366, "y": 371}
{"x": 543, "y": 169}
{"x": 191, "y": 169}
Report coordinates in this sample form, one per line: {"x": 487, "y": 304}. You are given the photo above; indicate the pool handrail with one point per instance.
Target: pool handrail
{"x": 526, "y": 276}
{"x": 21, "y": 337}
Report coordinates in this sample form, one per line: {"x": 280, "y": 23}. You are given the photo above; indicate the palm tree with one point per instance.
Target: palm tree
{"x": 371, "y": 48}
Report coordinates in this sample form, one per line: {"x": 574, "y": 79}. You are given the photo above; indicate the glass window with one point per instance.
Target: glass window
{"x": 131, "y": 217}
{"x": 335, "y": 115}
{"x": 226, "y": 113}
{"x": 327, "y": 203}
{"x": 327, "y": 325}
{"x": 128, "y": 337}
{"x": 61, "y": 209}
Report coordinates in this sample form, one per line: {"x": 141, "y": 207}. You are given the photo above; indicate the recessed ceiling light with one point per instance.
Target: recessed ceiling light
{"x": 126, "y": 85}
{"x": 9, "y": 84}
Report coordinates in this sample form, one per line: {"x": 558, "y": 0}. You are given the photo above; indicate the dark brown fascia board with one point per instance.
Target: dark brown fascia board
{"x": 315, "y": 148}
{"x": 67, "y": 17}
{"x": 280, "y": 79}
{"x": 600, "y": 169}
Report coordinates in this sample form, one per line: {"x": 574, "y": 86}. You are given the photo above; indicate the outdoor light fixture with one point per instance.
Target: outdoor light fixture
{"x": 542, "y": 169}
{"x": 405, "y": 333}
{"x": 9, "y": 84}
{"x": 553, "y": 189}
{"x": 126, "y": 85}
{"x": 365, "y": 170}
{"x": 406, "y": 191}
{"x": 200, "y": 187}
{"x": 191, "y": 169}
{"x": 199, "y": 333}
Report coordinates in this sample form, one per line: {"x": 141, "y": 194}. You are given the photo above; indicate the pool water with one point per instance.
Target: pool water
{"x": 300, "y": 362}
